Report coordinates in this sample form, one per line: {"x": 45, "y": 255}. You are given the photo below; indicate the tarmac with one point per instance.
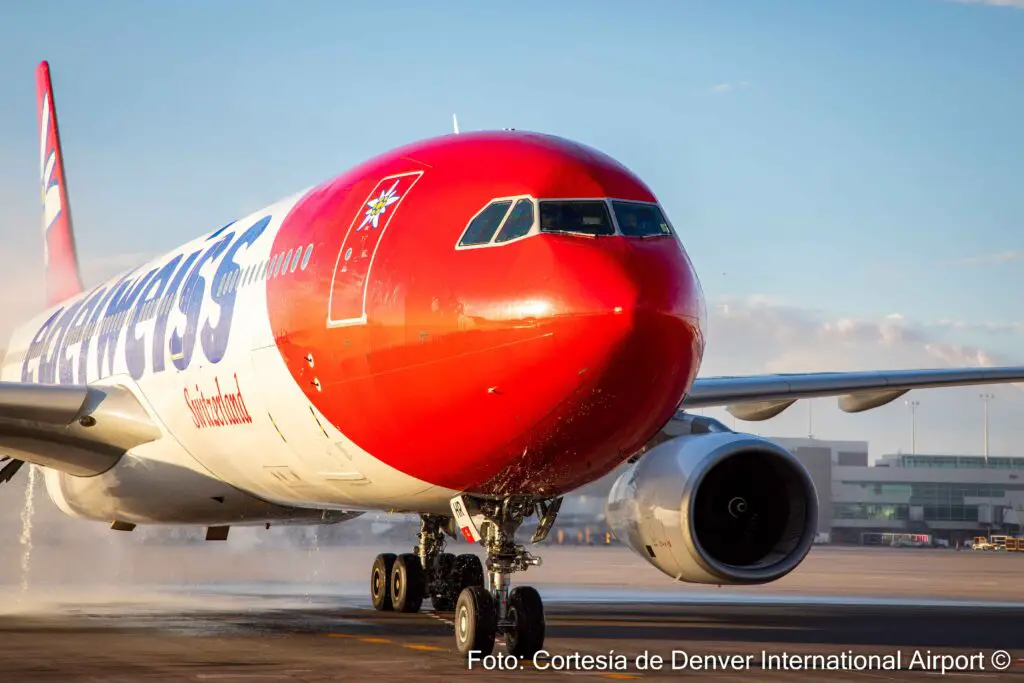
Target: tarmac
{"x": 215, "y": 612}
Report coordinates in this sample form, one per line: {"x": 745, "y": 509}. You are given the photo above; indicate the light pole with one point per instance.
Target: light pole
{"x": 985, "y": 398}
{"x": 913, "y": 425}
{"x": 810, "y": 418}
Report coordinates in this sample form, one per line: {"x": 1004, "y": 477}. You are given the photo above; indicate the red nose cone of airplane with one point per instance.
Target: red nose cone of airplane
{"x": 532, "y": 367}
{"x": 625, "y": 318}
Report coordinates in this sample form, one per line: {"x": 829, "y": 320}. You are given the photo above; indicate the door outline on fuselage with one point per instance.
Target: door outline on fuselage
{"x": 357, "y": 221}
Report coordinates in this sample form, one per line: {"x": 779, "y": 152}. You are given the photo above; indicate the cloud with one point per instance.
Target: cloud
{"x": 753, "y": 335}
{"x": 988, "y": 259}
{"x": 817, "y": 341}
{"x": 722, "y": 88}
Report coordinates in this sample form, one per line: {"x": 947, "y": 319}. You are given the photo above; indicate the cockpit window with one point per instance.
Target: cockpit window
{"x": 519, "y": 221}
{"x": 640, "y": 220}
{"x": 588, "y": 217}
{"x": 482, "y": 228}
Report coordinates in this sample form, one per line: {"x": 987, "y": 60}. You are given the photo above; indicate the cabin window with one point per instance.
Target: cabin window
{"x": 640, "y": 220}
{"x": 519, "y": 221}
{"x": 285, "y": 261}
{"x": 295, "y": 261}
{"x": 305, "y": 259}
{"x": 582, "y": 217}
{"x": 274, "y": 265}
{"x": 482, "y": 228}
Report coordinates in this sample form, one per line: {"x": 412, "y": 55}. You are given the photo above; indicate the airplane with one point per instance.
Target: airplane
{"x": 465, "y": 328}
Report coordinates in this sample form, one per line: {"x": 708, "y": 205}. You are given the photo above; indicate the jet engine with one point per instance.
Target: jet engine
{"x": 716, "y": 506}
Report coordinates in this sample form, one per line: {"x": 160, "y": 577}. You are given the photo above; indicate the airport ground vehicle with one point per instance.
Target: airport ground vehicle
{"x": 998, "y": 542}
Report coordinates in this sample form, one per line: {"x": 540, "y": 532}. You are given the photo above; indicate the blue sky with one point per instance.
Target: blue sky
{"x": 849, "y": 158}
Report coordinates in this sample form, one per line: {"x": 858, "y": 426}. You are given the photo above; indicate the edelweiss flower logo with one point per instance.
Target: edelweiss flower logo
{"x": 377, "y": 207}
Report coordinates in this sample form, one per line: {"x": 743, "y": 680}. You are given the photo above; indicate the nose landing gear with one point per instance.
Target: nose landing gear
{"x": 517, "y": 614}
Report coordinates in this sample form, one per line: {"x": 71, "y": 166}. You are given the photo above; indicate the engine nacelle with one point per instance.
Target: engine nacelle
{"x": 721, "y": 508}
{"x": 139, "y": 491}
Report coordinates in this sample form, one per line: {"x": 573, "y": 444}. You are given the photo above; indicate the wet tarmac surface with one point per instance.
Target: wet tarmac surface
{"x": 254, "y": 633}
{"x": 246, "y": 614}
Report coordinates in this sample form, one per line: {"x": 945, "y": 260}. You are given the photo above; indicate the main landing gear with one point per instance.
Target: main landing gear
{"x": 483, "y": 610}
{"x": 400, "y": 583}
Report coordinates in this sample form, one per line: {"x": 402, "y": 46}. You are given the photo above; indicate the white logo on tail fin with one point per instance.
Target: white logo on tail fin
{"x": 50, "y": 185}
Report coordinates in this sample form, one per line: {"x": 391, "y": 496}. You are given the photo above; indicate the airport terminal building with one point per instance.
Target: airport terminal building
{"x": 951, "y": 497}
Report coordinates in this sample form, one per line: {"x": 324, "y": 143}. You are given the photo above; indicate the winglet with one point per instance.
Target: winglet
{"x": 455, "y": 122}
{"x": 63, "y": 279}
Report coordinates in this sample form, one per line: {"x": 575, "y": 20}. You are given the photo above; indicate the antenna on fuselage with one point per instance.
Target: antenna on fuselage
{"x": 455, "y": 123}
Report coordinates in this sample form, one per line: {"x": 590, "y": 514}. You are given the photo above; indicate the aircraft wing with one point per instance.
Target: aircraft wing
{"x": 81, "y": 430}
{"x": 760, "y": 397}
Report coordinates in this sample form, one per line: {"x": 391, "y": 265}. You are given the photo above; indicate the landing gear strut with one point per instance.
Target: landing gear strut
{"x": 400, "y": 583}
{"x": 481, "y": 614}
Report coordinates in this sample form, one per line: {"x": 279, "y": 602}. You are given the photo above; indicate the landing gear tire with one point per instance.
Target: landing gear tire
{"x": 476, "y": 621}
{"x": 446, "y": 586}
{"x": 524, "y": 636}
{"x": 408, "y": 583}
{"x": 380, "y": 582}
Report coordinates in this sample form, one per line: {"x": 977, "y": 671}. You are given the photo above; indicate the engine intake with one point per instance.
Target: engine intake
{"x": 717, "y": 507}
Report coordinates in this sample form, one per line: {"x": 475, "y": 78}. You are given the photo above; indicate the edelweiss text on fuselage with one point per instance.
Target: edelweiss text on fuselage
{"x": 139, "y": 308}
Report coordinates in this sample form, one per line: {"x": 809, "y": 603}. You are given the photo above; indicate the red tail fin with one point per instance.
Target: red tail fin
{"x": 63, "y": 279}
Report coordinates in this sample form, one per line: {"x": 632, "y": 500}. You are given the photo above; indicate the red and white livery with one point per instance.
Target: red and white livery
{"x": 467, "y": 328}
